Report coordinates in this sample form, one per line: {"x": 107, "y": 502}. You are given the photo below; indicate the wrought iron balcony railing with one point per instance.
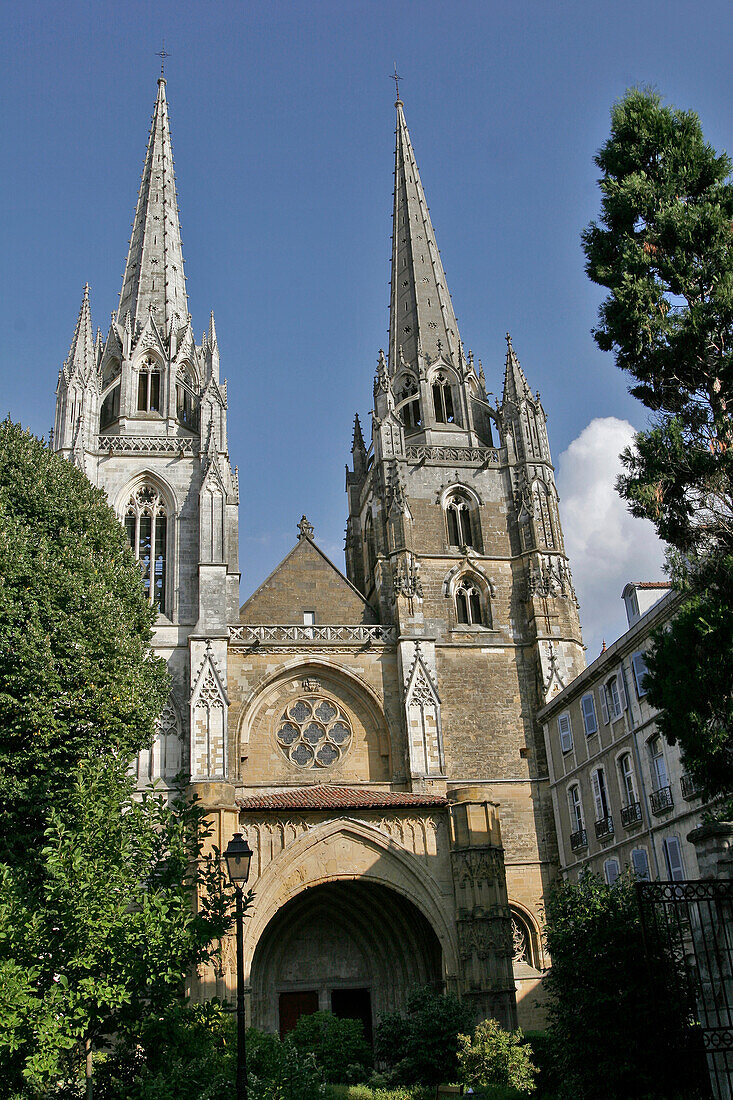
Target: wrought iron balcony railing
{"x": 631, "y": 815}
{"x": 689, "y": 788}
{"x": 578, "y": 840}
{"x": 661, "y": 800}
{"x": 604, "y": 827}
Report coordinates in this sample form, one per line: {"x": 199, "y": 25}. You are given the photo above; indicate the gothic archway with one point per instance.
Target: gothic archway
{"x": 356, "y": 948}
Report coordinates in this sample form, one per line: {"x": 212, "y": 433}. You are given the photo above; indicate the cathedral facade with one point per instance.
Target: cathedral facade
{"x": 373, "y": 734}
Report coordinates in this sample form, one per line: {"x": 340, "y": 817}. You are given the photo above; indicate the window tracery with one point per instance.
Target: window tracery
{"x": 408, "y": 402}
{"x": 459, "y": 521}
{"x": 146, "y": 525}
{"x": 468, "y": 603}
{"x": 148, "y": 385}
{"x": 314, "y": 732}
{"x": 522, "y": 941}
{"x": 186, "y": 401}
{"x": 443, "y": 400}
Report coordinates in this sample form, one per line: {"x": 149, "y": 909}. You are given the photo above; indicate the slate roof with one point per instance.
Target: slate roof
{"x": 337, "y": 798}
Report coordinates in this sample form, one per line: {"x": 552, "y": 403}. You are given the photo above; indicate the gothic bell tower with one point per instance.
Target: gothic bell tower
{"x": 144, "y": 414}
{"x": 454, "y": 537}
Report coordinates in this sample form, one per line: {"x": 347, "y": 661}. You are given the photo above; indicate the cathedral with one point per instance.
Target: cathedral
{"x": 372, "y": 733}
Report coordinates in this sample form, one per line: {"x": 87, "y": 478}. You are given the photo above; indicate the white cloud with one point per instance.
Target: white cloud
{"x": 606, "y": 545}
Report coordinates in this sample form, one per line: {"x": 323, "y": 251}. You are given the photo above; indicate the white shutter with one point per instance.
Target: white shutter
{"x": 566, "y": 735}
{"x": 622, "y": 690}
{"x": 604, "y": 703}
{"x": 640, "y": 862}
{"x": 597, "y": 796}
{"x": 673, "y": 854}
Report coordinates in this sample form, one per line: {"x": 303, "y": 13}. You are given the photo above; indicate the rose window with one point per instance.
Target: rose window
{"x": 314, "y": 733}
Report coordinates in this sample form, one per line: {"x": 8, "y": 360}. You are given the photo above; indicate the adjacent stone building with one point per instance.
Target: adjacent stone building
{"x": 374, "y": 734}
{"x": 620, "y": 793}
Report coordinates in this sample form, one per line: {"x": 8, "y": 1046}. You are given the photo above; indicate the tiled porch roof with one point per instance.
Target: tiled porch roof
{"x": 337, "y": 798}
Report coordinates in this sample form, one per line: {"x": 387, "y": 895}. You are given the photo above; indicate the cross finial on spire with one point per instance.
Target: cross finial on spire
{"x": 162, "y": 55}
{"x": 397, "y": 78}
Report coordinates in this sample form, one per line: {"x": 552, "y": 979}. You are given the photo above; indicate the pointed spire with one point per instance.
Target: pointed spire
{"x": 81, "y": 356}
{"x": 153, "y": 279}
{"x": 358, "y": 441}
{"x": 516, "y": 386}
{"x": 212, "y": 331}
{"x": 421, "y": 312}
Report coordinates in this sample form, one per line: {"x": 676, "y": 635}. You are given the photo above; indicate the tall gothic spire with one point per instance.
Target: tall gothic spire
{"x": 421, "y": 312}
{"x": 153, "y": 279}
{"x": 82, "y": 355}
{"x": 515, "y": 383}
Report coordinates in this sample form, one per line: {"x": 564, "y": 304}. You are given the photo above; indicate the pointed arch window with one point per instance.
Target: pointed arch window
{"x": 187, "y": 411}
{"x": 148, "y": 385}
{"x": 469, "y": 609}
{"x": 443, "y": 400}
{"x": 408, "y": 403}
{"x": 146, "y": 525}
{"x": 370, "y": 550}
{"x": 461, "y": 524}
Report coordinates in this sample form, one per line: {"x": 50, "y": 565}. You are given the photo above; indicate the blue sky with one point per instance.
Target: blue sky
{"x": 282, "y": 120}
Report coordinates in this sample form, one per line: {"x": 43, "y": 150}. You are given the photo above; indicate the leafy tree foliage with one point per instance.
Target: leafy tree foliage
{"x": 664, "y": 250}
{"x": 338, "y": 1046}
{"x": 77, "y": 679}
{"x": 663, "y": 247}
{"x": 421, "y": 1047}
{"x": 611, "y": 1035}
{"x": 105, "y": 941}
{"x": 494, "y": 1056}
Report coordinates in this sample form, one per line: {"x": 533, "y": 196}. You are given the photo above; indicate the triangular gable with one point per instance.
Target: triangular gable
{"x": 306, "y": 580}
{"x": 208, "y": 679}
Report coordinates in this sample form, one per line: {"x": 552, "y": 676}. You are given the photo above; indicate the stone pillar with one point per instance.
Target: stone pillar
{"x": 713, "y": 844}
{"x": 483, "y": 917}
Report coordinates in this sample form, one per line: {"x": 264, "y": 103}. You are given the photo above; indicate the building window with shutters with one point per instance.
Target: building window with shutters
{"x": 673, "y": 858}
{"x": 604, "y": 821}
{"x": 590, "y": 720}
{"x": 658, "y": 763}
{"x": 566, "y": 732}
{"x": 578, "y": 836}
{"x": 638, "y": 665}
{"x": 613, "y": 698}
{"x": 611, "y": 871}
{"x": 626, "y": 776}
{"x": 640, "y": 863}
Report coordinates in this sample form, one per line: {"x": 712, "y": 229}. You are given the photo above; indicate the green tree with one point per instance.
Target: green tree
{"x": 77, "y": 678}
{"x": 107, "y": 939}
{"x": 663, "y": 247}
{"x": 612, "y": 1036}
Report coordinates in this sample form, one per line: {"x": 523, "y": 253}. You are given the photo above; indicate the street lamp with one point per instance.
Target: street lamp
{"x": 238, "y": 856}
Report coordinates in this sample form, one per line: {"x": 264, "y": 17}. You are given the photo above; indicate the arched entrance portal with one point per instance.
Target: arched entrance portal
{"x": 356, "y": 948}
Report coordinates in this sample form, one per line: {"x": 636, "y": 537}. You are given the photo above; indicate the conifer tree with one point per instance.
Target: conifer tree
{"x": 663, "y": 247}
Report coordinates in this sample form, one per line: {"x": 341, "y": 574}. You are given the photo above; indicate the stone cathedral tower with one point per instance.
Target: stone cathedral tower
{"x": 373, "y": 734}
{"x": 144, "y": 414}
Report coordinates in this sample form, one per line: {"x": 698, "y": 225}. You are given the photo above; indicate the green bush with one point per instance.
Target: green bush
{"x": 190, "y": 1053}
{"x": 337, "y": 1045}
{"x": 422, "y": 1046}
{"x": 612, "y": 1036}
{"x": 493, "y": 1056}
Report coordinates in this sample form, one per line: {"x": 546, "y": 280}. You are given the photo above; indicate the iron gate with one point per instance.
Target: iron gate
{"x": 688, "y": 939}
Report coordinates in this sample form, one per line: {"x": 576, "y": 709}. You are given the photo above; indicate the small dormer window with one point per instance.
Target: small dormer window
{"x": 443, "y": 400}
{"x": 148, "y": 386}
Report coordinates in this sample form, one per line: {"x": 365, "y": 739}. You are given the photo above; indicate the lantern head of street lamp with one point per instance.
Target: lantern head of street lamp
{"x": 238, "y": 856}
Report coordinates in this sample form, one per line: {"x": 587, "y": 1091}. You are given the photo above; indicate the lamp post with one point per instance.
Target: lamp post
{"x": 238, "y": 856}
